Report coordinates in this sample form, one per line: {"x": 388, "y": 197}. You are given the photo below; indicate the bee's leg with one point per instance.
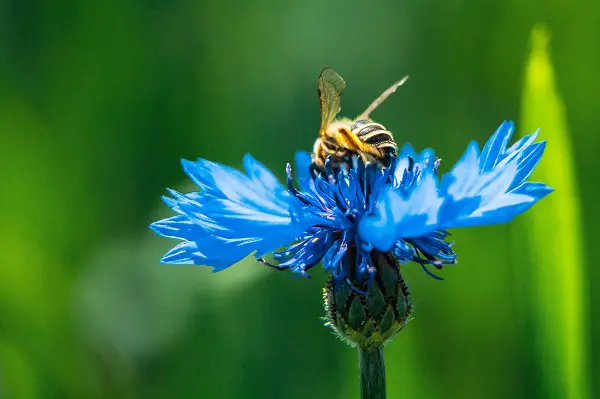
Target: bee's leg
{"x": 350, "y": 141}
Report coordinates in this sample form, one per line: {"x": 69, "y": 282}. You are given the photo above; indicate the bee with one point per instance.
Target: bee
{"x": 340, "y": 138}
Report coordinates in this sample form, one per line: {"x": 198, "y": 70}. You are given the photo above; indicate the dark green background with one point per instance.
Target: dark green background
{"x": 100, "y": 99}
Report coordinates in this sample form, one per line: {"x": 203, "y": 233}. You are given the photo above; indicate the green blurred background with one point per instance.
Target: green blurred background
{"x": 100, "y": 99}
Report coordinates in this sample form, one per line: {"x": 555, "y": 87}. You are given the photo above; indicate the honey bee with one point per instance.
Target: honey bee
{"x": 340, "y": 138}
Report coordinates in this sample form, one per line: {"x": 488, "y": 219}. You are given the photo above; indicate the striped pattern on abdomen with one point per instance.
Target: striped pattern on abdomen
{"x": 375, "y": 134}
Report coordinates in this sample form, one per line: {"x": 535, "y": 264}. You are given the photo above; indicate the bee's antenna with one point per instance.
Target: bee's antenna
{"x": 381, "y": 98}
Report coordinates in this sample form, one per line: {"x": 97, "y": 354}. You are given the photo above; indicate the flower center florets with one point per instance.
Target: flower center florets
{"x": 339, "y": 198}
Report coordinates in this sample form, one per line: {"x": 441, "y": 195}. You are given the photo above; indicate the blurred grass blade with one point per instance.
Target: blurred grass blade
{"x": 556, "y": 286}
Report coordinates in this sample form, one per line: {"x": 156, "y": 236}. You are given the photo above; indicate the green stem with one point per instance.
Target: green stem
{"x": 372, "y": 373}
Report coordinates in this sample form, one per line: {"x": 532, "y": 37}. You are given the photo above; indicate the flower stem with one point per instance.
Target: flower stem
{"x": 372, "y": 373}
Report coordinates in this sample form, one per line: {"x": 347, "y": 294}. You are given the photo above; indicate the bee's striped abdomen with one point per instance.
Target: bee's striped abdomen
{"x": 375, "y": 134}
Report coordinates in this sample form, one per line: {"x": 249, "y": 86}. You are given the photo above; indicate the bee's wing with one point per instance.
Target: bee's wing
{"x": 330, "y": 86}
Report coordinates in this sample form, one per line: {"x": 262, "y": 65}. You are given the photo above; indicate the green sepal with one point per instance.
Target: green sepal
{"x": 387, "y": 320}
{"x": 375, "y": 301}
{"x": 390, "y": 279}
{"x": 341, "y": 324}
{"x": 369, "y": 329}
{"x": 356, "y": 314}
{"x": 341, "y": 294}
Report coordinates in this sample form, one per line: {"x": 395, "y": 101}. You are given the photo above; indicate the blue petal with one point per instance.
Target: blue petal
{"x": 495, "y": 146}
{"x": 491, "y": 188}
{"x": 303, "y": 160}
{"x": 178, "y": 227}
{"x": 501, "y": 210}
{"x": 263, "y": 178}
{"x": 522, "y": 143}
{"x": 425, "y": 160}
{"x": 462, "y": 176}
{"x": 402, "y": 160}
{"x": 528, "y": 160}
{"x": 397, "y": 216}
{"x": 182, "y": 254}
{"x": 233, "y": 216}
{"x": 533, "y": 189}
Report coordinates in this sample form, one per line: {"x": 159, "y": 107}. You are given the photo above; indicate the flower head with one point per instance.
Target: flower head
{"x": 360, "y": 221}
{"x": 340, "y": 218}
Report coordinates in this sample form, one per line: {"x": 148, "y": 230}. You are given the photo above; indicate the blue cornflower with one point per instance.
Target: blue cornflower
{"x": 342, "y": 217}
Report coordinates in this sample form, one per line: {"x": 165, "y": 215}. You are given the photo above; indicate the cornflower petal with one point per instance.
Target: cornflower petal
{"x": 491, "y": 187}
{"x": 397, "y": 216}
{"x": 232, "y": 216}
{"x": 303, "y": 160}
